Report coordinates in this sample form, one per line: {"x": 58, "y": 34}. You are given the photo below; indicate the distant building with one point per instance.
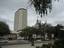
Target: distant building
{"x": 38, "y": 23}
{"x": 11, "y": 36}
{"x": 20, "y": 20}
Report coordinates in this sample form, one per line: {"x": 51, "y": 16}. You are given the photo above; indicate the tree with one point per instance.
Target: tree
{"x": 42, "y": 6}
{"x": 28, "y": 32}
{"x": 4, "y": 29}
{"x": 59, "y": 44}
{"x": 24, "y": 32}
{"x": 58, "y": 32}
{"x": 60, "y": 35}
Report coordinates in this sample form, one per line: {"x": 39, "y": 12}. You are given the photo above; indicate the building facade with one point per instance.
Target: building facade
{"x": 20, "y": 19}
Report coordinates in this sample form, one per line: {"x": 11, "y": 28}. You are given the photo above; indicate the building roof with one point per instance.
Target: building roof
{"x": 21, "y": 9}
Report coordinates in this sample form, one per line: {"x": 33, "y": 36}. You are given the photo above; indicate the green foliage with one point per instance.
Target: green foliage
{"x": 4, "y": 29}
{"x": 29, "y": 31}
{"x": 58, "y": 32}
{"x": 59, "y": 44}
{"x": 37, "y": 46}
{"x": 42, "y": 6}
{"x": 49, "y": 29}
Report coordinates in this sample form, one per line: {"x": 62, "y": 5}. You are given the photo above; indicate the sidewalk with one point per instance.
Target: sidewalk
{"x": 14, "y": 42}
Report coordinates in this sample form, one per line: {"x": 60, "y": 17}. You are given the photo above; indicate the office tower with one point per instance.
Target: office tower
{"x": 20, "y": 19}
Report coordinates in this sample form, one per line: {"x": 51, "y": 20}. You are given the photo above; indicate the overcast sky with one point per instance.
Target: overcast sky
{"x": 9, "y": 7}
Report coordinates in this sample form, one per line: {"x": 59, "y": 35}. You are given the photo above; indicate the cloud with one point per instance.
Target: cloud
{"x": 9, "y": 7}
{"x": 59, "y": 22}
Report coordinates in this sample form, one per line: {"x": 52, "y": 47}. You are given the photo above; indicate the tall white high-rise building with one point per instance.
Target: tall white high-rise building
{"x": 20, "y": 19}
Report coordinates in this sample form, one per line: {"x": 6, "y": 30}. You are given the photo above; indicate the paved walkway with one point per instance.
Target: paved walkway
{"x": 14, "y": 42}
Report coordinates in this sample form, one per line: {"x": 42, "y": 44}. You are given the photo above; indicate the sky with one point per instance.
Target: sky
{"x": 9, "y": 7}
